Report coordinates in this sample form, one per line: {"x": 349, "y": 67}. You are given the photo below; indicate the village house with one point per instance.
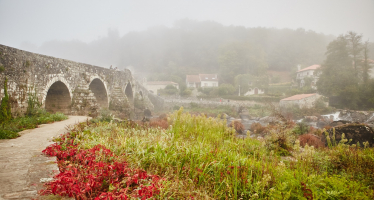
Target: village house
{"x": 202, "y": 80}
{"x": 154, "y": 86}
{"x": 309, "y": 72}
{"x": 255, "y": 90}
{"x": 301, "y": 100}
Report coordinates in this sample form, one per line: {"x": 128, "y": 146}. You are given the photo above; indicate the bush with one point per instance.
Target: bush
{"x": 258, "y": 128}
{"x": 5, "y": 112}
{"x": 311, "y": 140}
{"x": 226, "y": 89}
{"x": 238, "y": 126}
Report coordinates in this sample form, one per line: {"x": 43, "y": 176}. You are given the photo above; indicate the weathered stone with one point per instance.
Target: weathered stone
{"x": 63, "y": 85}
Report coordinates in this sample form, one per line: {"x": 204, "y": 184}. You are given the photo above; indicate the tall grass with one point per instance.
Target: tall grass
{"x": 11, "y": 128}
{"x": 200, "y": 157}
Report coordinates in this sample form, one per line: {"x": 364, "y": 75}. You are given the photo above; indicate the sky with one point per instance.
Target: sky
{"x": 37, "y": 21}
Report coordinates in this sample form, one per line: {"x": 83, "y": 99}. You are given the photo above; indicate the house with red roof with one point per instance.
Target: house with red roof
{"x": 301, "y": 100}
{"x": 310, "y": 72}
{"x": 202, "y": 80}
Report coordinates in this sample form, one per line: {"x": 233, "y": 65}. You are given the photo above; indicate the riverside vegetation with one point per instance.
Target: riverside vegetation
{"x": 196, "y": 157}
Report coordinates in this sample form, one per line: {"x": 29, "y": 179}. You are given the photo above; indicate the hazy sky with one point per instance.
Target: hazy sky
{"x": 37, "y": 21}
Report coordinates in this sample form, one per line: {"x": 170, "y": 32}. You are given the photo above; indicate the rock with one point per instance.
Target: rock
{"x": 357, "y": 132}
{"x": 311, "y": 118}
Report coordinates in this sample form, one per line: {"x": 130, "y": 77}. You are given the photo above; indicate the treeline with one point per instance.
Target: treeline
{"x": 192, "y": 47}
{"x": 345, "y": 76}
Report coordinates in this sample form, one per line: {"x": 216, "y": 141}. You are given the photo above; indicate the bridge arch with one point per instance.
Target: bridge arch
{"x": 98, "y": 87}
{"x": 57, "y": 96}
{"x": 129, "y": 93}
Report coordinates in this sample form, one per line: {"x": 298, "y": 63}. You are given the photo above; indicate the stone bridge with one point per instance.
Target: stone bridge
{"x": 67, "y": 86}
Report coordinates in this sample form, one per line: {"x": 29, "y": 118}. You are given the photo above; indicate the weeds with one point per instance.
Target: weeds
{"x": 199, "y": 157}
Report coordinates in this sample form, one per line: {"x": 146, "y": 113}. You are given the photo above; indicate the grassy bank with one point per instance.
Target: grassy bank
{"x": 10, "y": 129}
{"x": 200, "y": 157}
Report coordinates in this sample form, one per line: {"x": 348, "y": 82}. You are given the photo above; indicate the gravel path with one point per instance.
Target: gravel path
{"x": 22, "y": 164}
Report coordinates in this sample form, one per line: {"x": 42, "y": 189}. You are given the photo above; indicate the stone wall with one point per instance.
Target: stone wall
{"x": 62, "y": 85}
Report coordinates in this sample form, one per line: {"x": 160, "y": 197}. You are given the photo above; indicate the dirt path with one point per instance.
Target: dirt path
{"x": 22, "y": 164}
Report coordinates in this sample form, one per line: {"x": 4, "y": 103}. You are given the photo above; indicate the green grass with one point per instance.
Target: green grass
{"x": 11, "y": 128}
{"x": 200, "y": 157}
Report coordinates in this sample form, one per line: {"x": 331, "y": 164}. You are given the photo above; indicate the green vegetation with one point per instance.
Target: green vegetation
{"x": 200, "y": 157}
{"x": 344, "y": 77}
{"x": 10, "y": 129}
{"x": 5, "y": 112}
{"x": 211, "y": 111}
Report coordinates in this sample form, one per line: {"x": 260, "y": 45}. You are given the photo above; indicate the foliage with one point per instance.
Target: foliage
{"x": 311, "y": 140}
{"x": 345, "y": 71}
{"x": 247, "y": 81}
{"x": 238, "y": 126}
{"x": 5, "y": 112}
{"x": 226, "y": 89}
{"x": 198, "y": 157}
{"x": 169, "y": 90}
{"x": 259, "y": 98}
{"x": 33, "y": 105}
{"x": 257, "y": 128}
{"x": 96, "y": 173}
{"x": 187, "y": 92}
{"x": 10, "y": 129}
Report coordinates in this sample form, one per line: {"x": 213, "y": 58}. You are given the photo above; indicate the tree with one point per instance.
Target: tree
{"x": 355, "y": 48}
{"x": 338, "y": 80}
{"x": 366, "y": 65}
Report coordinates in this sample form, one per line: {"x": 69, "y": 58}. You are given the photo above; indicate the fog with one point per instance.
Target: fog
{"x": 149, "y": 34}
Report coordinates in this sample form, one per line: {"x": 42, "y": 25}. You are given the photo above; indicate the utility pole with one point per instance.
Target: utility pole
{"x": 239, "y": 90}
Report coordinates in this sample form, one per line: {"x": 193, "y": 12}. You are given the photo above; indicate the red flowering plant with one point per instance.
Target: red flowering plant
{"x": 96, "y": 173}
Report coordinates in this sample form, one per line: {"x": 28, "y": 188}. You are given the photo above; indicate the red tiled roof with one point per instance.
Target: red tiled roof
{"x": 310, "y": 67}
{"x": 161, "y": 83}
{"x": 193, "y": 78}
{"x": 208, "y": 77}
{"x": 298, "y": 97}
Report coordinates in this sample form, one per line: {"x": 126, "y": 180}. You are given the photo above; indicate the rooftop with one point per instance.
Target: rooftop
{"x": 298, "y": 97}
{"x": 313, "y": 67}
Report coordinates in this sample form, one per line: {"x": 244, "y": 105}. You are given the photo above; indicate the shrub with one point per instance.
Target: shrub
{"x": 159, "y": 123}
{"x": 5, "y": 112}
{"x": 280, "y": 141}
{"x": 258, "y": 128}
{"x": 311, "y": 140}
{"x": 238, "y": 126}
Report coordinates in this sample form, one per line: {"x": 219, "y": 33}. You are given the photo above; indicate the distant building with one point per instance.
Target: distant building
{"x": 300, "y": 100}
{"x": 308, "y": 72}
{"x": 154, "y": 86}
{"x": 202, "y": 80}
{"x": 255, "y": 90}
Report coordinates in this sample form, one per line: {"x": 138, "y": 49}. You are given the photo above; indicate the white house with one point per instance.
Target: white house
{"x": 308, "y": 72}
{"x": 255, "y": 90}
{"x": 202, "y": 80}
{"x": 154, "y": 86}
{"x": 301, "y": 100}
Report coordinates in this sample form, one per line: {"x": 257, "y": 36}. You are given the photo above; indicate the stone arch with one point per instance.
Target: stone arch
{"x": 99, "y": 89}
{"x": 58, "y": 98}
{"x": 51, "y": 82}
{"x": 129, "y": 92}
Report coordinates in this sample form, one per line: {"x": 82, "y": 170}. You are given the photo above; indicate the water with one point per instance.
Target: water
{"x": 335, "y": 116}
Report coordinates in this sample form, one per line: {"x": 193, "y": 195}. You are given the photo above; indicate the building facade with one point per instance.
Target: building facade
{"x": 310, "y": 73}
{"x": 202, "y": 80}
{"x": 301, "y": 100}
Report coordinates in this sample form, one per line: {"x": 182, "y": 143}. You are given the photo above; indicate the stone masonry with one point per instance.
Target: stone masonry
{"x": 63, "y": 85}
